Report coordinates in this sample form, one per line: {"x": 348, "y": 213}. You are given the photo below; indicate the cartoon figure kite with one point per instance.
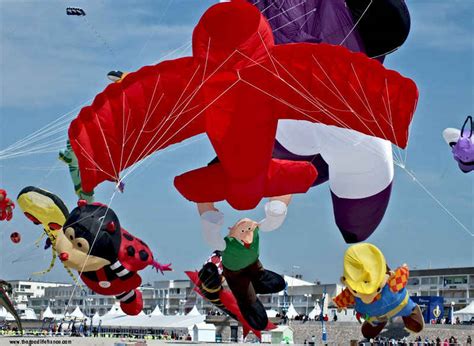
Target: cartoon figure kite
{"x": 69, "y": 158}
{"x": 235, "y": 88}
{"x": 107, "y": 257}
{"x": 241, "y": 267}
{"x": 377, "y": 293}
{"x": 6, "y": 206}
{"x": 462, "y": 145}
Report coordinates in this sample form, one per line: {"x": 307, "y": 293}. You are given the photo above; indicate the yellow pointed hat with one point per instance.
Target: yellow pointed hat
{"x": 364, "y": 268}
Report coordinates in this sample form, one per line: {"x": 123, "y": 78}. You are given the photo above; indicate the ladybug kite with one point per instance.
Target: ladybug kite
{"x": 106, "y": 256}
{"x": 235, "y": 88}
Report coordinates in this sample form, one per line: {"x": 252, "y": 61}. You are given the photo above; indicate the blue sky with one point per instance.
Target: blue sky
{"x": 51, "y": 63}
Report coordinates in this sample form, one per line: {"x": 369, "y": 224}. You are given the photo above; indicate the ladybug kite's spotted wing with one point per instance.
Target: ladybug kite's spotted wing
{"x": 134, "y": 254}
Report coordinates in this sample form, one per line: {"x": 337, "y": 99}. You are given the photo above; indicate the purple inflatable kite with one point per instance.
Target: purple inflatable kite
{"x": 359, "y": 167}
{"x": 462, "y": 144}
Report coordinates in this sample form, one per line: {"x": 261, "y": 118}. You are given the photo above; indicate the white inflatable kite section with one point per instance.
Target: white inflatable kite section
{"x": 451, "y": 135}
{"x": 359, "y": 165}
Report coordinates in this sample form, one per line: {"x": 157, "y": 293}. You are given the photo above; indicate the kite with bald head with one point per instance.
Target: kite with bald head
{"x": 240, "y": 250}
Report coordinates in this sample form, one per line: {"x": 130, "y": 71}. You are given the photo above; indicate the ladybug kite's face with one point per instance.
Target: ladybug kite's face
{"x": 90, "y": 238}
{"x": 74, "y": 249}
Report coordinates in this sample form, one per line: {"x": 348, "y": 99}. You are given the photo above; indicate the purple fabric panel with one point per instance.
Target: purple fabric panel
{"x": 357, "y": 219}
{"x": 311, "y": 21}
{"x": 463, "y": 150}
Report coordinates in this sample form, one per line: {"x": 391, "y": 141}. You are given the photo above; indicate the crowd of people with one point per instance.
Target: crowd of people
{"x": 446, "y": 320}
{"x": 419, "y": 341}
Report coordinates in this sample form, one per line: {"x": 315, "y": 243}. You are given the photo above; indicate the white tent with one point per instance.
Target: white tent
{"x": 204, "y": 332}
{"x": 315, "y": 312}
{"x": 29, "y": 315}
{"x": 272, "y": 313}
{"x": 291, "y": 313}
{"x": 294, "y": 282}
{"x": 59, "y": 317}
{"x": 9, "y": 317}
{"x": 96, "y": 318}
{"x": 194, "y": 312}
{"x": 465, "y": 314}
{"x": 114, "y": 311}
{"x": 156, "y": 312}
{"x": 77, "y": 313}
{"x": 48, "y": 313}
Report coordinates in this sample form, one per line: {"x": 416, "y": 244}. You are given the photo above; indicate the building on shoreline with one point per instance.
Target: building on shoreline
{"x": 65, "y": 298}
{"x": 171, "y": 296}
{"x": 178, "y": 296}
{"x": 25, "y": 291}
{"x": 455, "y": 285}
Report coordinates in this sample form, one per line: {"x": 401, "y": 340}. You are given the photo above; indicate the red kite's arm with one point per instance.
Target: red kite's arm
{"x": 149, "y": 110}
{"x": 210, "y": 184}
{"x": 331, "y": 85}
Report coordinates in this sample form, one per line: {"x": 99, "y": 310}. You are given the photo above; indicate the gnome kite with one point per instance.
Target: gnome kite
{"x": 240, "y": 250}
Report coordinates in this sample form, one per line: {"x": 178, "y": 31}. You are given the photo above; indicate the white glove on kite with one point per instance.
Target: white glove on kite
{"x": 275, "y": 212}
{"x": 212, "y": 222}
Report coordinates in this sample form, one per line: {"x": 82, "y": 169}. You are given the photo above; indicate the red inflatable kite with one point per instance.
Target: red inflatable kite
{"x": 235, "y": 88}
{"x": 6, "y": 206}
